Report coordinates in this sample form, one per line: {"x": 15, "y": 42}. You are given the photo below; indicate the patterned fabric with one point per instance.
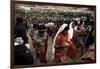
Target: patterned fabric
{"x": 38, "y": 38}
{"x": 61, "y": 51}
{"x": 41, "y": 46}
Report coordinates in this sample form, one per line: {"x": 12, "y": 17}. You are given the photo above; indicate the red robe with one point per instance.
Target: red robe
{"x": 71, "y": 51}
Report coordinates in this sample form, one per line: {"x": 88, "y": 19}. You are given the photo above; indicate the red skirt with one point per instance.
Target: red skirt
{"x": 71, "y": 52}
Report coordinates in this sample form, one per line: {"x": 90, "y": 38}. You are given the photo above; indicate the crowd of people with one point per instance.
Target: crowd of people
{"x": 48, "y": 40}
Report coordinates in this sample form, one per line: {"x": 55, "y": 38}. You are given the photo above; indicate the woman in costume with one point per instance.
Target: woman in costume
{"x": 64, "y": 44}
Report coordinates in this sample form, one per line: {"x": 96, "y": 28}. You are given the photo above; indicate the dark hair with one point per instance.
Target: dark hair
{"x": 41, "y": 27}
{"x": 75, "y": 24}
{"x": 66, "y": 28}
{"x": 19, "y": 19}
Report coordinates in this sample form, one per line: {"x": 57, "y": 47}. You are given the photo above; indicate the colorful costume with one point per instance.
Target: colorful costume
{"x": 61, "y": 51}
{"x": 40, "y": 42}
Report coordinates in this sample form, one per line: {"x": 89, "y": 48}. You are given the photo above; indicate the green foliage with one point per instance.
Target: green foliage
{"x": 65, "y": 15}
{"x": 20, "y": 13}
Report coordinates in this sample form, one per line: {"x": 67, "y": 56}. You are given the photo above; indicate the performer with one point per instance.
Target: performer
{"x": 61, "y": 43}
{"x": 40, "y": 43}
{"x": 61, "y": 46}
{"x": 64, "y": 45}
